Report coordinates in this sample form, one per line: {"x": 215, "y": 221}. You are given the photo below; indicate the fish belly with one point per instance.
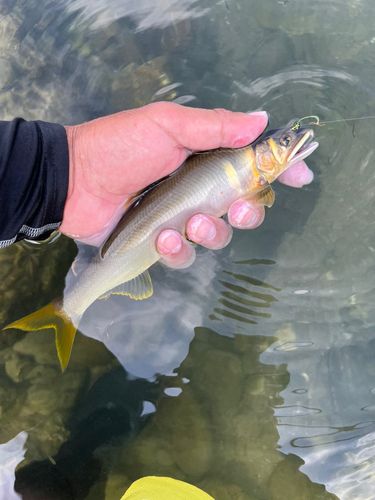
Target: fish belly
{"x": 210, "y": 189}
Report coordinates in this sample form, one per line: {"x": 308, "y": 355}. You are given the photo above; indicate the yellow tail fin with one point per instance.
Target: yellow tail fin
{"x": 51, "y": 316}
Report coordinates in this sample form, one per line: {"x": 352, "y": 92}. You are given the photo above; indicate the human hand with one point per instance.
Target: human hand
{"x": 112, "y": 158}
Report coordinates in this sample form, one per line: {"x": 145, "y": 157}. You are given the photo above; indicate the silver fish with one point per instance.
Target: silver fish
{"x": 207, "y": 183}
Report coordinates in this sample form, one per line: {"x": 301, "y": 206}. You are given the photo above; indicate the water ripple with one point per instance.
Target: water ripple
{"x": 308, "y": 75}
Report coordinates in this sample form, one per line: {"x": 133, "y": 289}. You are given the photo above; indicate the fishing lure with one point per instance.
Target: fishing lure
{"x": 297, "y": 125}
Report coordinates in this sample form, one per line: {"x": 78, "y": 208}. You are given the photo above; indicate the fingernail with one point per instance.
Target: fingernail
{"x": 259, "y": 113}
{"x": 169, "y": 242}
{"x": 244, "y": 215}
{"x": 202, "y": 228}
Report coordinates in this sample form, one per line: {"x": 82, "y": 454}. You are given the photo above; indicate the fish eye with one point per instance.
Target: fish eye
{"x": 285, "y": 141}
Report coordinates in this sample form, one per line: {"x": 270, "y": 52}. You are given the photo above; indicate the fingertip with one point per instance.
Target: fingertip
{"x": 297, "y": 175}
{"x": 181, "y": 259}
{"x": 261, "y": 114}
{"x": 252, "y": 129}
{"x": 243, "y": 215}
{"x": 169, "y": 242}
{"x": 201, "y": 228}
{"x": 211, "y": 232}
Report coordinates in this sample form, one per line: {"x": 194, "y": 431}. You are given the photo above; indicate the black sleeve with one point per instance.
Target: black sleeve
{"x": 34, "y": 175}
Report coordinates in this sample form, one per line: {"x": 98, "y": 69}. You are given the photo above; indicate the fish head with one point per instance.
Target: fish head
{"x": 277, "y": 150}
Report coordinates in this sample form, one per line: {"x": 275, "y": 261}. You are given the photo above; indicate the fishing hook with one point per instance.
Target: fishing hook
{"x": 297, "y": 125}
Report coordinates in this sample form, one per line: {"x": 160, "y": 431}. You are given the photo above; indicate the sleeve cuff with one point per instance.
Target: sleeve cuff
{"x": 34, "y": 178}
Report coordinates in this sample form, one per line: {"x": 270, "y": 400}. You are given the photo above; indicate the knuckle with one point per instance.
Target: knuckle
{"x": 223, "y": 117}
{"x": 162, "y": 106}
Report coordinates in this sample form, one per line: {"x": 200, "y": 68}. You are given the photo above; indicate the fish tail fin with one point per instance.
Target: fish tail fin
{"x": 51, "y": 316}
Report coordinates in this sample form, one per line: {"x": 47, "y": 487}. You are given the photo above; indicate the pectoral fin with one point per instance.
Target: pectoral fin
{"x": 138, "y": 288}
{"x": 265, "y": 197}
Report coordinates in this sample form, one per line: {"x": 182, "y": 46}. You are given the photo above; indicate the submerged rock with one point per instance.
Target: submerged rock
{"x": 115, "y": 487}
{"x": 221, "y": 490}
{"x": 40, "y": 406}
{"x": 190, "y": 439}
{"x": 105, "y": 417}
{"x": 221, "y": 437}
{"x": 216, "y": 368}
{"x": 40, "y": 397}
{"x": 287, "y": 482}
{"x": 178, "y": 442}
{"x": 87, "y": 353}
{"x": 35, "y": 395}
{"x": 135, "y": 84}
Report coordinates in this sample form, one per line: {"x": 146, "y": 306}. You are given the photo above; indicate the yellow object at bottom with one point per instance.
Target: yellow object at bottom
{"x": 163, "y": 488}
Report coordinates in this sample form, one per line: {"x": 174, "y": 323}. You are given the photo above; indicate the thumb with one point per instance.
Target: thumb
{"x": 203, "y": 129}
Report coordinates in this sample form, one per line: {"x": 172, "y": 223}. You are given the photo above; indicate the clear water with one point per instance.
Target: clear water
{"x": 251, "y": 373}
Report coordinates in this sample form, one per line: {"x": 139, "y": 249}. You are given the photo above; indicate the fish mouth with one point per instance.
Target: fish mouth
{"x": 304, "y": 147}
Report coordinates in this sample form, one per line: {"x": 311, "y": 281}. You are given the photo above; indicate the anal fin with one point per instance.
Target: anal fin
{"x": 138, "y": 288}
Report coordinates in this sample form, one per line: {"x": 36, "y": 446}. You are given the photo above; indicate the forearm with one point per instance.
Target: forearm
{"x": 34, "y": 173}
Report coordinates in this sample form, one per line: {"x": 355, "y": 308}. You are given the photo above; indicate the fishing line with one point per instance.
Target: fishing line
{"x": 297, "y": 125}
{"x": 349, "y": 119}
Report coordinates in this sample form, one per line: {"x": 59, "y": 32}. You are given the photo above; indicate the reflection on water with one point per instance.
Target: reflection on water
{"x": 11, "y": 454}
{"x": 238, "y": 307}
{"x": 145, "y": 13}
{"x": 259, "y": 358}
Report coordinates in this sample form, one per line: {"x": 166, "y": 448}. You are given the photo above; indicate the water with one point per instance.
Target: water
{"x": 249, "y": 374}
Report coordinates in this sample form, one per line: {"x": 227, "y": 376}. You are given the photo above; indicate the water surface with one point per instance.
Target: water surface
{"x": 249, "y": 374}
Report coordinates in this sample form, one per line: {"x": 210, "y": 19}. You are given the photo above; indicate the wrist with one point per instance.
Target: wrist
{"x": 73, "y": 204}
{"x": 72, "y": 136}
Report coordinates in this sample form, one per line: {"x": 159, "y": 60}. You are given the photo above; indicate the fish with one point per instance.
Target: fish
{"x": 207, "y": 182}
